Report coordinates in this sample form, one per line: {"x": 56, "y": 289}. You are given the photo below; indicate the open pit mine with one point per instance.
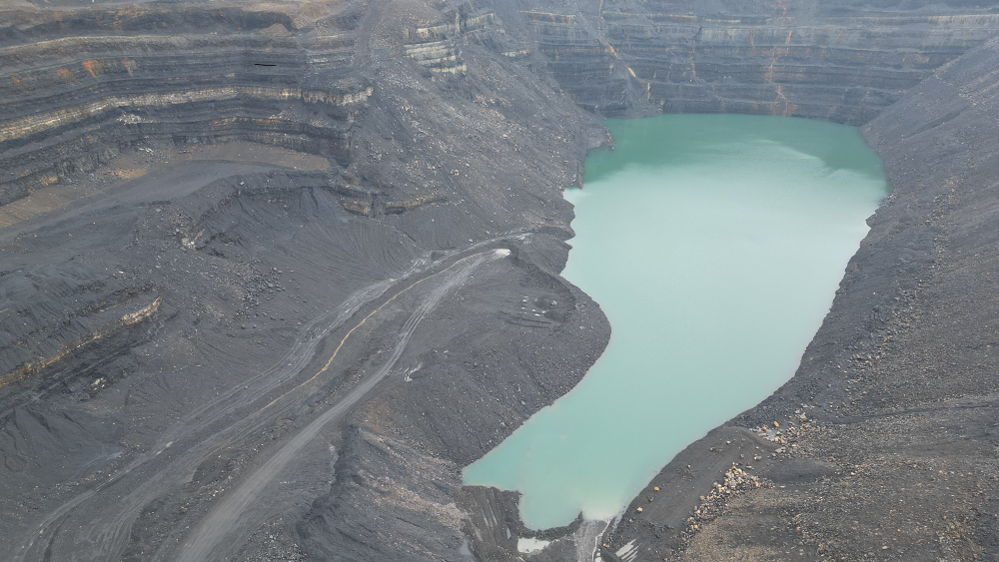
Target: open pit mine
{"x": 262, "y": 267}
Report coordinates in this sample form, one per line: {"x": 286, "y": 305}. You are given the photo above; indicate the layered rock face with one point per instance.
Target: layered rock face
{"x": 836, "y": 62}
{"x": 81, "y": 86}
{"x": 264, "y": 269}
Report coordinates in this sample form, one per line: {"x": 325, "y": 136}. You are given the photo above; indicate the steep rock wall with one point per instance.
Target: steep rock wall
{"x": 112, "y": 80}
{"x": 842, "y": 64}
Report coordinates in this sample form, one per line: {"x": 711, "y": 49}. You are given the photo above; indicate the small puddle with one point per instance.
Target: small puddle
{"x": 714, "y": 244}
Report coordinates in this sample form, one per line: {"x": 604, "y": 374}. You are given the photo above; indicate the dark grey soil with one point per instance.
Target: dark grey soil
{"x": 212, "y": 351}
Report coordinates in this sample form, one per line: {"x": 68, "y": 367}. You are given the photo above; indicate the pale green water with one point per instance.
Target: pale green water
{"x": 714, "y": 244}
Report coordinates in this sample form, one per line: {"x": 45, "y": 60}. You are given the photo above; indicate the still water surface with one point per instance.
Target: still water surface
{"x": 714, "y": 244}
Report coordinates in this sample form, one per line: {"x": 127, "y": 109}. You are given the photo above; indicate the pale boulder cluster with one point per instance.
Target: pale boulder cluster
{"x": 736, "y": 480}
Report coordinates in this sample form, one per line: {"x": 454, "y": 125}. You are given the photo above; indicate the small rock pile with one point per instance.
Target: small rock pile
{"x": 736, "y": 480}
{"x": 787, "y": 436}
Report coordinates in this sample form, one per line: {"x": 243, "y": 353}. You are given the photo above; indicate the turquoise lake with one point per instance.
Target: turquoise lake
{"x": 714, "y": 244}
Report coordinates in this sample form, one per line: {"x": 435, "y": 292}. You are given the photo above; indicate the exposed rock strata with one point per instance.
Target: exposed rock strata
{"x": 166, "y": 337}
{"x": 74, "y": 102}
{"x": 825, "y": 61}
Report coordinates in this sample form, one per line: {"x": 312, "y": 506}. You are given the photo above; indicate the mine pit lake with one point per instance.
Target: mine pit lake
{"x": 714, "y": 244}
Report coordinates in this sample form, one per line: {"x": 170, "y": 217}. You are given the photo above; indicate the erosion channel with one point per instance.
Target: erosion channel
{"x": 714, "y": 243}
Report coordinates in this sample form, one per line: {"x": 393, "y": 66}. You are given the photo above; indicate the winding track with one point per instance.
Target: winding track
{"x": 160, "y": 470}
{"x": 108, "y": 535}
{"x": 228, "y": 515}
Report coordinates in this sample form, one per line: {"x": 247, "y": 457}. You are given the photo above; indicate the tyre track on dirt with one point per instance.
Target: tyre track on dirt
{"x": 114, "y": 532}
{"x": 107, "y": 535}
{"x": 231, "y": 513}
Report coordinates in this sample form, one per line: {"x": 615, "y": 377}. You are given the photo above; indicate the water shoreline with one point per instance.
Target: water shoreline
{"x": 760, "y": 222}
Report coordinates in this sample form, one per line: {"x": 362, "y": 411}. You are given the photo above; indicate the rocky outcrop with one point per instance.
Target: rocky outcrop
{"x": 378, "y": 478}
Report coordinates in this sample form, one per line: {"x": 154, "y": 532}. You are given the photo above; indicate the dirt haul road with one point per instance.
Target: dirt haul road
{"x": 184, "y": 446}
{"x": 236, "y": 513}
